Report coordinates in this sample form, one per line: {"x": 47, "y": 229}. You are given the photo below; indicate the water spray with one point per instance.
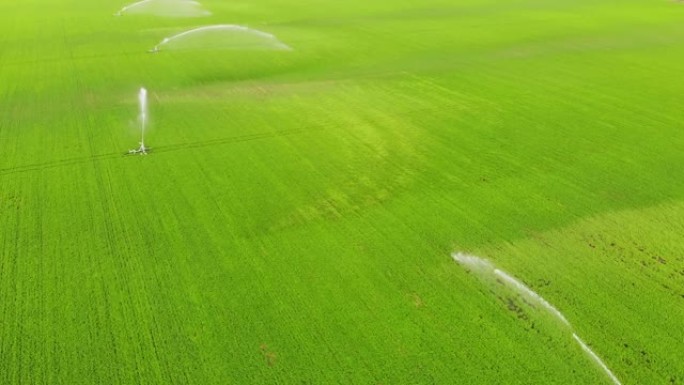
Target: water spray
{"x": 262, "y": 39}
{"x": 142, "y": 99}
{"x": 124, "y": 9}
{"x": 485, "y": 270}
{"x": 169, "y": 8}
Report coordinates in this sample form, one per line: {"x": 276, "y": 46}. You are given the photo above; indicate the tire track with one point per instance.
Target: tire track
{"x": 160, "y": 149}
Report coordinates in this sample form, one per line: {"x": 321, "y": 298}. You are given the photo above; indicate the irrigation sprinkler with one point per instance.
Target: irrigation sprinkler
{"x": 142, "y": 98}
{"x": 155, "y": 49}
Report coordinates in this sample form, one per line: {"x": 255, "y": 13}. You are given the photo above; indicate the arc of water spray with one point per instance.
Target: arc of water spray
{"x": 143, "y": 2}
{"x": 217, "y": 27}
{"x": 484, "y": 268}
{"x": 520, "y": 287}
{"x": 596, "y": 358}
{"x": 126, "y": 8}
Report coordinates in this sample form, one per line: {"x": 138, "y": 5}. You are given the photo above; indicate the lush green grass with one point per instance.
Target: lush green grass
{"x": 295, "y": 222}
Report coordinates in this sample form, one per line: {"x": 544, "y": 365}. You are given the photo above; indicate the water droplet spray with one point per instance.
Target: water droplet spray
{"x": 142, "y": 100}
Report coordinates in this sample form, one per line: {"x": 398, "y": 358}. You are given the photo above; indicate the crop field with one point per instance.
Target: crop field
{"x": 342, "y": 192}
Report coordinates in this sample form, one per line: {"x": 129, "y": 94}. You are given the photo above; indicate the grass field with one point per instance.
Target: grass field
{"x": 295, "y": 221}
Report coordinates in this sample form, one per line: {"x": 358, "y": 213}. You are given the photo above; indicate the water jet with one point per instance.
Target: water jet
{"x": 142, "y": 100}
{"x": 165, "y": 8}
{"x": 221, "y": 36}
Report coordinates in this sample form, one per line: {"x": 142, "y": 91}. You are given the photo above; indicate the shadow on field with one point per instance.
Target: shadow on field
{"x": 155, "y": 150}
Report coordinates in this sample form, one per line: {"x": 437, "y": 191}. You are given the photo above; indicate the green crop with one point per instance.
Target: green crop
{"x": 295, "y": 218}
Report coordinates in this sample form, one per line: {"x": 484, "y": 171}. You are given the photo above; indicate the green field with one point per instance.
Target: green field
{"x": 295, "y": 220}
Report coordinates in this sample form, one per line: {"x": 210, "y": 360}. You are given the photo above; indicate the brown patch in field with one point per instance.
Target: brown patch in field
{"x": 417, "y": 301}
{"x": 270, "y": 357}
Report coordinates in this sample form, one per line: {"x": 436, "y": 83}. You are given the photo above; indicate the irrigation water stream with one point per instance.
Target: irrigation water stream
{"x": 165, "y": 8}
{"x": 486, "y": 270}
{"x": 222, "y": 36}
